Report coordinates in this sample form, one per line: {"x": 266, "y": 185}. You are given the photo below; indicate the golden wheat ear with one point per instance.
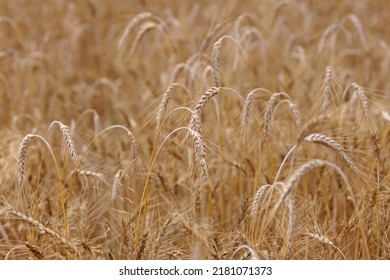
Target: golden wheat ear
{"x": 329, "y": 142}
{"x": 42, "y": 229}
{"x": 68, "y": 140}
{"x": 195, "y": 123}
{"x": 23, "y": 147}
{"x": 293, "y": 180}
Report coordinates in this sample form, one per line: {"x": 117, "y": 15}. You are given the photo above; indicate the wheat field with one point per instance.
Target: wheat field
{"x": 194, "y": 129}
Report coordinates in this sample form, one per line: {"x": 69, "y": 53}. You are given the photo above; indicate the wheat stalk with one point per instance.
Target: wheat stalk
{"x": 248, "y": 103}
{"x": 244, "y": 211}
{"x": 161, "y": 235}
{"x": 176, "y": 70}
{"x": 205, "y": 98}
{"x": 363, "y": 98}
{"x": 258, "y": 198}
{"x": 238, "y": 23}
{"x": 294, "y": 112}
{"x": 289, "y": 153}
{"x": 195, "y": 123}
{"x": 192, "y": 65}
{"x": 134, "y": 23}
{"x": 301, "y": 171}
{"x": 45, "y": 230}
{"x": 270, "y": 110}
{"x": 23, "y": 147}
{"x": 310, "y": 125}
{"x": 200, "y": 154}
{"x": 329, "y": 31}
{"x": 111, "y": 85}
{"x": 327, "y": 91}
{"x": 329, "y": 142}
{"x": 141, "y": 33}
{"x": 291, "y": 229}
{"x": 358, "y": 26}
{"x": 95, "y": 177}
{"x": 37, "y": 252}
{"x": 165, "y": 100}
{"x": 297, "y": 116}
{"x": 325, "y": 240}
{"x": 321, "y": 238}
{"x": 329, "y": 36}
{"x": 206, "y": 41}
{"x": 216, "y": 59}
{"x": 142, "y": 246}
{"x": 96, "y": 119}
{"x": 68, "y": 139}
{"x": 21, "y": 168}
{"x": 359, "y": 92}
{"x": 134, "y": 152}
{"x": 117, "y": 184}
{"x": 88, "y": 173}
{"x": 245, "y": 112}
{"x": 133, "y": 143}
{"x": 252, "y": 252}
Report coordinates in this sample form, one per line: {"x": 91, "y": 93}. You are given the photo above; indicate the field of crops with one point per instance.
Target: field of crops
{"x": 194, "y": 129}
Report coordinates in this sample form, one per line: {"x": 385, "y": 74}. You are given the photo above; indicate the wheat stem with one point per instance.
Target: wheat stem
{"x": 21, "y": 169}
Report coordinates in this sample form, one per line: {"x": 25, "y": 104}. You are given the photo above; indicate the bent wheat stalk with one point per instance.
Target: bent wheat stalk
{"x": 270, "y": 110}
{"x": 206, "y": 41}
{"x": 239, "y": 20}
{"x": 141, "y": 33}
{"x": 216, "y": 58}
{"x": 259, "y": 196}
{"x": 301, "y": 171}
{"x": 200, "y": 155}
{"x": 329, "y": 142}
{"x": 68, "y": 139}
{"x": 310, "y": 125}
{"x": 22, "y": 165}
{"x": 325, "y": 240}
{"x": 359, "y": 92}
{"x": 196, "y": 125}
{"x": 154, "y": 154}
{"x": 248, "y": 103}
{"x": 328, "y": 37}
{"x": 96, "y": 119}
{"x": 137, "y": 20}
{"x": 294, "y": 112}
{"x": 290, "y": 152}
{"x": 165, "y": 100}
{"x": 252, "y": 252}
{"x": 45, "y": 230}
{"x": 133, "y": 143}
{"x": 358, "y": 27}
{"x": 194, "y": 121}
